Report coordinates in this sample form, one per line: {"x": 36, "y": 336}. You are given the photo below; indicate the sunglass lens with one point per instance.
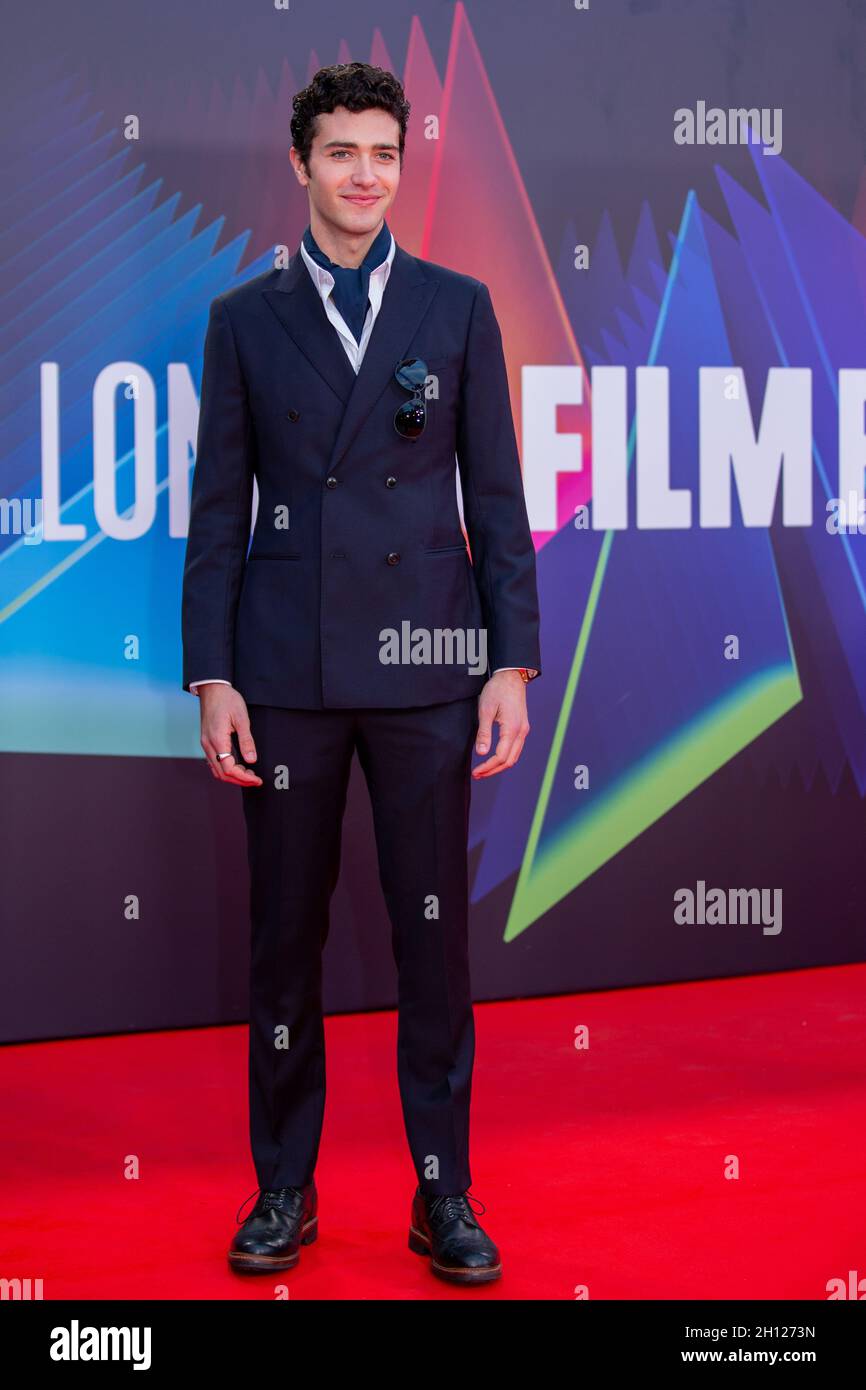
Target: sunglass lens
{"x": 412, "y": 373}
{"x": 410, "y": 419}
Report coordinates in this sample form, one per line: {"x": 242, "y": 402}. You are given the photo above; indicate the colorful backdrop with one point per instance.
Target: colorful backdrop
{"x": 698, "y": 734}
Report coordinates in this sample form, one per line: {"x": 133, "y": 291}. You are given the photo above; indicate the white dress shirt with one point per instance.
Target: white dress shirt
{"x": 324, "y": 283}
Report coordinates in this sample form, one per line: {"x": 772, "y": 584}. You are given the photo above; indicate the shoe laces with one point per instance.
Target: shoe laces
{"x": 273, "y": 1198}
{"x": 451, "y": 1205}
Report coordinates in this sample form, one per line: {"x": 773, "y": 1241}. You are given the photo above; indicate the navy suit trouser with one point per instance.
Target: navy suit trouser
{"x": 417, "y": 763}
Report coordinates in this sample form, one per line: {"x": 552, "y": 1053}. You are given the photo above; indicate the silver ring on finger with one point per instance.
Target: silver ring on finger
{"x": 220, "y": 756}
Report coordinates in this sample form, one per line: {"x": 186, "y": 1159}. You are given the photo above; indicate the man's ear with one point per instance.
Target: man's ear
{"x": 302, "y": 173}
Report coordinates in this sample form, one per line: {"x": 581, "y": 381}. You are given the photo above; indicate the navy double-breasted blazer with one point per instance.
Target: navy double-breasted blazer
{"x": 357, "y": 529}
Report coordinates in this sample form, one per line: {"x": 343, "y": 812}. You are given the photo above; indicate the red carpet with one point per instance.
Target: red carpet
{"x": 603, "y": 1167}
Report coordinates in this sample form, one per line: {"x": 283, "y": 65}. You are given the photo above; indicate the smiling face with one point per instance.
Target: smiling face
{"x": 353, "y": 175}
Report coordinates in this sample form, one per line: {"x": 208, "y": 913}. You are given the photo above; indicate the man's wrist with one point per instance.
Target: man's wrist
{"x": 525, "y": 673}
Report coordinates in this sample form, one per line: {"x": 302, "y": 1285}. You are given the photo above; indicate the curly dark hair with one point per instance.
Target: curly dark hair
{"x": 358, "y": 87}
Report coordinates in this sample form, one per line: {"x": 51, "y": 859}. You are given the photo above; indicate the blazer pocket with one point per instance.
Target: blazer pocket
{"x": 446, "y": 549}
{"x": 441, "y": 364}
{"x": 274, "y": 555}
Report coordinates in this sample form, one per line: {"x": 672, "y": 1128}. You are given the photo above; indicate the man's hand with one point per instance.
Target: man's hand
{"x": 502, "y": 700}
{"x": 223, "y": 709}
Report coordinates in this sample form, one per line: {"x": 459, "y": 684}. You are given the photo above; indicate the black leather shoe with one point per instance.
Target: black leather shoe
{"x": 281, "y": 1222}
{"x": 445, "y": 1228}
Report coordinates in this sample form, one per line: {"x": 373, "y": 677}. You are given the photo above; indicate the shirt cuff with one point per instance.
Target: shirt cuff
{"x": 214, "y": 680}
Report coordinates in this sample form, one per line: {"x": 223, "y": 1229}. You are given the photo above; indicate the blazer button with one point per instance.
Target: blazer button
{"x": 390, "y": 482}
{"x": 330, "y": 482}
{"x": 393, "y": 558}
{"x": 294, "y": 415}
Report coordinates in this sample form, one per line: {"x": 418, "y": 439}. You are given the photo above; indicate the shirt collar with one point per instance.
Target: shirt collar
{"x": 323, "y": 279}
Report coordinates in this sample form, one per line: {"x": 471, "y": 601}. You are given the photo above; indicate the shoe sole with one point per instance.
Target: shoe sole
{"x": 420, "y": 1244}
{"x": 247, "y": 1263}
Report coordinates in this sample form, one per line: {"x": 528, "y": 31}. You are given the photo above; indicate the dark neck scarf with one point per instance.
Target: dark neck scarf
{"x": 352, "y": 283}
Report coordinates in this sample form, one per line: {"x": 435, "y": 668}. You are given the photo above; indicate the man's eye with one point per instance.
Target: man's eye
{"x": 387, "y": 155}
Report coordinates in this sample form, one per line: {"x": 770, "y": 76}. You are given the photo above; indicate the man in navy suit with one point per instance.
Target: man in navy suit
{"x": 355, "y": 619}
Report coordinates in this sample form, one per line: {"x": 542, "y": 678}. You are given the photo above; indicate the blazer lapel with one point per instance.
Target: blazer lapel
{"x": 408, "y": 295}
{"x": 299, "y": 309}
